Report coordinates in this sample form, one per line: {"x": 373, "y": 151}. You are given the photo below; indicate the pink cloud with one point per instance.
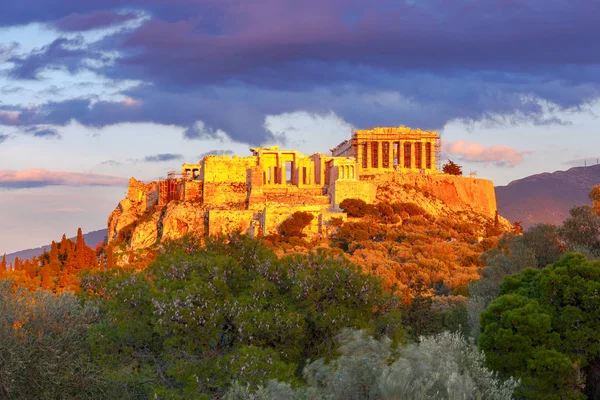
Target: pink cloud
{"x": 32, "y": 178}
{"x": 500, "y": 155}
{"x": 9, "y": 117}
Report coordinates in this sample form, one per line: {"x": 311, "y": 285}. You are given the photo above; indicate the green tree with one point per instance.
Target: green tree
{"x": 582, "y": 228}
{"x": 512, "y": 256}
{"x": 197, "y": 319}
{"x": 543, "y": 329}
{"x": 543, "y": 239}
{"x": 44, "y": 351}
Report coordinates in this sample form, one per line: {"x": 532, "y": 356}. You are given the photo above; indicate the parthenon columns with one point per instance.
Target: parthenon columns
{"x": 383, "y": 154}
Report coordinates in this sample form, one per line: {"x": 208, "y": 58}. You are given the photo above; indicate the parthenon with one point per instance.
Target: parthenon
{"x": 388, "y": 149}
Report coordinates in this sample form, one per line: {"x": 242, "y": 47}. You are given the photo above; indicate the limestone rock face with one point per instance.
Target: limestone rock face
{"x": 181, "y": 218}
{"x": 457, "y": 192}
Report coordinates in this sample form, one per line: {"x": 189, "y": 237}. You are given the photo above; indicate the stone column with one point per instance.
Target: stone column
{"x": 401, "y": 154}
{"x": 423, "y": 155}
{"x": 359, "y": 154}
{"x": 433, "y": 161}
{"x": 391, "y": 155}
{"x": 413, "y": 164}
{"x": 369, "y": 156}
{"x": 379, "y": 155}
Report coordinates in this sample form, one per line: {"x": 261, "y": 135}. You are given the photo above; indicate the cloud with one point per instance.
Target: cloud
{"x": 215, "y": 153}
{"x": 112, "y": 163}
{"x": 36, "y": 131}
{"x": 164, "y": 157}
{"x": 501, "y": 156}
{"x": 3, "y": 137}
{"x": 231, "y": 64}
{"x": 34, "y": 178}
{"x": 61, "y": 53}
{"x": 100, "y": 19}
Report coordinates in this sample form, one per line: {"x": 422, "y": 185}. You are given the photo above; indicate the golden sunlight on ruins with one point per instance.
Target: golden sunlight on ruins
{"x": 254, "y": 194}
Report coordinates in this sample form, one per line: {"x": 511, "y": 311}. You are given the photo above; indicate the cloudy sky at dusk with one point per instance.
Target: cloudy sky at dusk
{"x": 92, "y": 93}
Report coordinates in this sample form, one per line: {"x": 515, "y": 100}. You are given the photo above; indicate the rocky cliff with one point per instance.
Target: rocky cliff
{"x": 138, "y": 222}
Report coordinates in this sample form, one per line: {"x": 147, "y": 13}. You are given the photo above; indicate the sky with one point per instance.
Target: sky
{"x": 92, "y": 92}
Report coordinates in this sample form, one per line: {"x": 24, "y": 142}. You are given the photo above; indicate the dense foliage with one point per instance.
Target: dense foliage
{"x": 44, "y": 352}
{"x": 441, "y": 367}
{"x": 199, "y": 318}
{"x": 544, "y": 329}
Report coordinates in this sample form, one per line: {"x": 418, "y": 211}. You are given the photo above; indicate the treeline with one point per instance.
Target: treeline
{"x": 56, "y": 270}
{"x": 234, "y": 320}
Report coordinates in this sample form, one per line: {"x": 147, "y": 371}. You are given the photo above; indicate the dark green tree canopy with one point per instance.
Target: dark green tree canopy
{"x": 231, "y": 311}
{"x": 544, "y": 329}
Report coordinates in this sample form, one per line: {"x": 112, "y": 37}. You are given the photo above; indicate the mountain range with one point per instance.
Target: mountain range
{"x": 546, "y": 197}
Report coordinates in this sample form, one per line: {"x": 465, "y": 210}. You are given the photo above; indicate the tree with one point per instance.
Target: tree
{"x": 452, "y": 168}
{"x": 511, "y": 256}
{"x": 44, "y": 348}
{"x": 232, "y": 309}
{"x": 544, "y": 241}
{"x": 444, "y": 366}
{"x": 595, "y": 197}
{"x": 295, "y": 224}
{"x": 543, "y": 330}
{"x": 582, "y": 228}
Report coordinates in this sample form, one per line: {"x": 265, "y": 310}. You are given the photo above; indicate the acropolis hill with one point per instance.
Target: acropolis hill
{"x": 254, "y": 194}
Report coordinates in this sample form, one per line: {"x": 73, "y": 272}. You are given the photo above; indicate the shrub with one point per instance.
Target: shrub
{"x": 43, "y": 347}
{"x": 357, "y": 208}
{"x": 295, "y": 224}
{"x": 411, "y": 209}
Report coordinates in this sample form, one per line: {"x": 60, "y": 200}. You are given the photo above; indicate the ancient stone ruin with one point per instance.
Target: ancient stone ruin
{"x": 254, "y": 194}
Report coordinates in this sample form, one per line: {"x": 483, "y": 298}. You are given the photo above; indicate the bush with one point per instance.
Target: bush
{"x": 444, "y": 366}
{"x": 44, "y": 352}
{"x": 295, "y": 224}
{"x": 411, "y": 209}
{"x": 357, "y": 208}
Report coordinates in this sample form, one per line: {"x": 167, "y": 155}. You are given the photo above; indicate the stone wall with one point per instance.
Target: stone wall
{"x": 144, "y": 195}
{"x": 221, "y": 222}
{"x": 274, "y": 215}
{"x": 225, "y": 180}
{"x": 351, "y": 189}
{"x": 193, "y": 190}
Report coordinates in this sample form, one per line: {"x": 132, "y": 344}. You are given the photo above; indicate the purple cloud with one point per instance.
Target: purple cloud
{"x": 100, "y": 19}
{"x": 229, "y": 63}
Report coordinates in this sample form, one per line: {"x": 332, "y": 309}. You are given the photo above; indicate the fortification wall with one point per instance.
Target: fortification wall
{"x": 274, "y": 215}
{"x": 351, "y": 189}
{"x": 144, "y": 195}
{"x": 225, "y": 180}
{"x": 193, "y": 190}
{"x": 294, "y": 196}
{"x": 223, "y": 222}
{"x": 457, "y": 192}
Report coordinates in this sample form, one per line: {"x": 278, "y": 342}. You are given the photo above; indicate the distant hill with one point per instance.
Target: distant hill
{"x": 546, "y": 197}
{"x": 91, "y": 239}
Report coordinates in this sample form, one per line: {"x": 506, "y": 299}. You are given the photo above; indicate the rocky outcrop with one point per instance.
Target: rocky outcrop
{"x": 456, "y": 192}
{"x": 139, "y": 222}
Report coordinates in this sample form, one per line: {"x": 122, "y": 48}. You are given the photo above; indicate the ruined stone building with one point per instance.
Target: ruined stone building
{"x": 256, "y": 193}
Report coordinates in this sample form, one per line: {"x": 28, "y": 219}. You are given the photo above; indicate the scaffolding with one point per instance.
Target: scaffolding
{"x": 169, "y": 189}
{"x": 438, "y": 153}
